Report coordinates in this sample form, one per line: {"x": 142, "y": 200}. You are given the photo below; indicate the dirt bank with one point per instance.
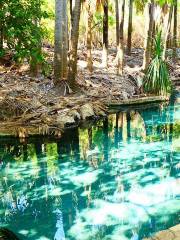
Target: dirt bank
{"x": 33, "y": 106}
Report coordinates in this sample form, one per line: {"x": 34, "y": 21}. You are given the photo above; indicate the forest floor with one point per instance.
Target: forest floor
{"x": 31, "y": 106}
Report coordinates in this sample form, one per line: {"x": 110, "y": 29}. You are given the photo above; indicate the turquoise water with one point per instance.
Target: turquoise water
{"x": 118, "y": 179}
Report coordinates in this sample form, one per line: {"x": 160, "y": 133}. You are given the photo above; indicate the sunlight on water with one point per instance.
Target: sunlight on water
{"x": 117, "y": 179}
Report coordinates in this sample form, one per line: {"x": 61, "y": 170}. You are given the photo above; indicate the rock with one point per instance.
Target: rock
{"x": 75, "y": 114}
{"x": 100, "y": 111}
{"x": 164, "y": 235}
{"x": 124, "y": 95}
{"x": 169, "y": 52}
{"x": 65, "y": 120}
{"x": 178, "y": 52}
{"x": 131, "y": 64}
{"x": 87, "y": 111}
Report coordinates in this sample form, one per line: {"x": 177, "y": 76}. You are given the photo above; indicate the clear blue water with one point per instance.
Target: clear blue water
{"x": 116, "y": 179}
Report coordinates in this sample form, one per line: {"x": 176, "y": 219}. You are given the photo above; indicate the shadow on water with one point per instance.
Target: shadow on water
{"x": 116, "y": 178}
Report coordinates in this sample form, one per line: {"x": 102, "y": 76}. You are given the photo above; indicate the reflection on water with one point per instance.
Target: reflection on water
{"x": 118, "y": 179}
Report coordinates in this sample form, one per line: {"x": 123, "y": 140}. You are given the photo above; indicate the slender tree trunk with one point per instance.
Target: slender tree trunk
{"x": 117, "y": 22}
{"x": 120, "y": 52}
{"x": 167, "y": 30}
{"x": 175, "y": 29}
{"x": 105, "y": 35}
{"x": 35, "y": 65}
{"x": 148, "y": 39}
{"x": 153, "y": 34}
{"x": 76, "y": 9}
{"x": 89, "y": 38}
{"x": 1, "y": 37}
{"x": 129, "y": 39}
{"x": 1, "y": 30}
{"x": 169, "y": 37}
{"x": 70, "y": 8}
{"x": 153, "y": 28}
{"x": 65, "y": 40}
{"x": 61, "y": 41}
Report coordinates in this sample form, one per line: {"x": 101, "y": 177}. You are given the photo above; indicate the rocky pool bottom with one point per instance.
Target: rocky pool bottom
{"x": 117, "y": 179}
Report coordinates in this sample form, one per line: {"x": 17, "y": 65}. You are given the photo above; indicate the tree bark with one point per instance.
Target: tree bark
{"x": 129, "y": 39}
{"x": 175, "y": 29}
{"x": 117, "y": 22}
{"x": 1, "y": 30}
{"x": 169, "y": 37}
{"x": 35, "y": 64}
{"x": 148, "y": 39}
{"x": 105, "y": 35}
{"x": 120, "y": 52}
{"x": 89, "y": 38}
{"x": 70, "y": 8}
{"x": 72, "y": 71}
{"x": 167, "y": 30}
{"x": 61, "y": 41}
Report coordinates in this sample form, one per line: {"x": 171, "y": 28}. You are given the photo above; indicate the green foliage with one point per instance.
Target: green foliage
{"x": 48, "y": 22}
{"x": 140, "y": 4}
{"x": 22, "y": 30}
{"x": 157, "y": 79}
{"x": 98, "y": 20}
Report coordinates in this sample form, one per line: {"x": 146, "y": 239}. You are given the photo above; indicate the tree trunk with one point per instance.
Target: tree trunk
{"x": 105, "y": 35}
{"x": 175, "y": 29}
{"x": 1, "y": 37}
{"x": 117, "y": 22}
{"x": 169, "y": 37}
{"x": 70, "y": 8}
{"x": 89, "y": 38}
{"x": 61, "y": 41}
{"x": 167, "y": 28}
{"x": 76, "y": 10}
{"x": 120, "y": 52}
{"x": 35, "y": 64}
{"x": 129, "y": 39}
{"x": 1, "y": 31}
{"x": 65, "y": 40}
{"x": 148, "y": 39}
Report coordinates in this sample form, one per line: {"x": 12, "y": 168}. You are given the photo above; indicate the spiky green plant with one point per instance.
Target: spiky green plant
{"x": 156, "y": 79}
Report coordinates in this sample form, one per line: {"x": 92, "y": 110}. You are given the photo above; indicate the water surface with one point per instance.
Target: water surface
{"x": 116, "y": 179}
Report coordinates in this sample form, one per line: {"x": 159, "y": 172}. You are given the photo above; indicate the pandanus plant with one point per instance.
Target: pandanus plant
{"x": 156, "y": 79}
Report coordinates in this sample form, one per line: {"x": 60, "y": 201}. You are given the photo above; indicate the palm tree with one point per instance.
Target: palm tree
{"x": 167, "y": 28}
{"x": 120, "y": 51}
{"x": 130, "y": 27}
{"x": 61, "y": 41}
{"x": 1, "y": 28}
{"x": 117, "y": 21}
{"x": 76, "y": 10}
{"x": 105, "y": 34}
{"x": 89, "y": 35}
{"x": 175, "y": 28}
{"x": 35, "y": 64}
{"x": 149, "y": 35}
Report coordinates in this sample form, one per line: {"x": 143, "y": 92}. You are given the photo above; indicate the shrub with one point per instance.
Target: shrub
{"x": 156, "y": 79}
